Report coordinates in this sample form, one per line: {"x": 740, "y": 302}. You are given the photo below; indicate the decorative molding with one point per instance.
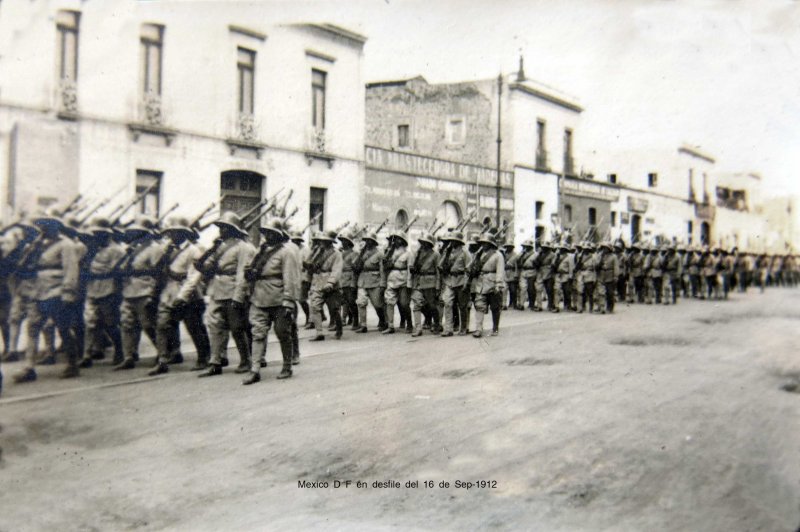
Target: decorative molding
{"x": 137, "y": 130}
{"x": 319, "y": 55}
{"x": 151, "y": 105}
{"x": 547, "y": 97}
{"x": 238, "y": 144}
{"x": 253, "y": 34}
{"x": 68, "y": 96}
{"x": 246, "y": 127}
{"x": 310, "y": 156}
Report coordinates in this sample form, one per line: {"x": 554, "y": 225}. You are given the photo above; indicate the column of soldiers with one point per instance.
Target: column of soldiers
{"x": 102, "y": 284}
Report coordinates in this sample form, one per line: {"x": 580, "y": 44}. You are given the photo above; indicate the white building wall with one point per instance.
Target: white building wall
{"x": 529, "y": 187}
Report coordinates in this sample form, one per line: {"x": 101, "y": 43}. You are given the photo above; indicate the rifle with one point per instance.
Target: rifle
{"x": 465, "y": 221}
{"x": 285, "y": 219}
{"x": 409, "y": 224}
{"x": 341, "y": 227}
{"x": 203, "y": 214}
{"x": 432, "y": 225}
{"x": 437, "y": 228}
{"x": 72, "y": 204}
{"x": 91, "y": 212}
{"x": 311, "y": 222}
{"x": 282, "y": 210}
{"x": 133, "y": 202}
{"x": 383, "y": 224}
{"x": 359, "y": 232}
{"x": 164, "y": 216}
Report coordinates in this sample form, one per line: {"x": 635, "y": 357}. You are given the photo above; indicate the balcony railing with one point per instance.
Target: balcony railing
{"x": 541, "y": 160}
{"x": 569, "y": 165}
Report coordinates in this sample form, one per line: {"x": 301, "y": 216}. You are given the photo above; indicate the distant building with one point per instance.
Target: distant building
{"x": 199, "y": 104}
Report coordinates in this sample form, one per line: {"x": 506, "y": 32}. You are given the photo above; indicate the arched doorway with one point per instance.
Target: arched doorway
{"x": 636, "y": 222}
{"x": 400, "y": 219}
{"x": 449, "y": 213}
{"x": 240, "y": 191}
{"x": 705, "y": 234}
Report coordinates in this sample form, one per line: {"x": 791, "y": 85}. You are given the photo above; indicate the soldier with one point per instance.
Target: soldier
{"x": 586, "y": 275}
{"x": 396, "y": 269}
{"x": 545, "y": 263}
{"x": 349, "y": 282}
{"x": 424, "y": 284}
{"x": 672, "y": 275}
{"x": 223, "y": 266}
{"x": 607, "y": 273}
{"x": 512, "y": 275}
{"x": 526, "y": 264}
{"x": 84, "y": 244}
{"x": 289, "y": 243}
{"x": 275, "y": 275}
{"x": 695, "y": 260}
{"x": 368, "y": 267}
{"x": 142, "y": 270}
{"x": 19, "y": 281}
{"x": 55, "y": 290}
{"x": 325, "y": 266}
{"x": 180, "y": 300}
{"x": 562, "y": 277}
{"x": 636, "y": 265}
{"x": 654, "y": 275}
{"x": 708, "y": 271}
{"x": 726, "y": 272}
{"x": 489, "y": 285}
{"x": 305, "y": 279}
{"x": 101, "y": 312}
{"x": 453, "y": 265}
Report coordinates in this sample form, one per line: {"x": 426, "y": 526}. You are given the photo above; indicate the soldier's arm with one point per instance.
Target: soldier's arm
{"x": 336, "y": 270}
{"x": 70, "y": 264}
{"x": 241, "y": 286}
{"x": 291, "y": 279}
{"x": 193, "y": 280}
{"x": 500, "y": 273}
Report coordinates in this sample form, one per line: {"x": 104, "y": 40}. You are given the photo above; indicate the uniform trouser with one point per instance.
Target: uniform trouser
{"x": 562, "y": 293}
{"x": 262, "y": 319}
{"x": 545, "y": 286}
{"x": 317, "y": 299}
{"x": 586, "y": 293}
{"x": 653, "y": 289}
{"x": 622, "y": 286}
{"x": 670, "y": 288}
{"x": 725, "y": 279}
{"x": 455, "y": 301}
{"x": 396, "y": 296}
{"x": 350, "y": 306}
{"x": 101, "y": 317}
{"x": 513, "y": 297}
{"x": 167, "y": 322}
{"x": 744, "y": 281}
{"x": 488, "y": 302}
{"x": 710, "y": 285}
{"x": 227, "y": 316}
{"x": 694, "y": 285}
{"x": 527, "y": 291}
{"x": 630, "y": 291}
{"x": 639, "y": 286}
{"x": 64, "y": 316}
{"x": 305, "y": 287}
{"x": 605, "y": 294}
{"x": 425, "y": 299}
{"x": 137, "y": 314}
{"x": 79, "y": 326}
{"x": 20, "y": 307}
{"x": 370, "y": 295}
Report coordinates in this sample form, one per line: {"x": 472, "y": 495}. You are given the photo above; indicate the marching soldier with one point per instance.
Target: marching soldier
{"x": 655, "y": 275}
{"x": 142, "y": 270}
{"x": 512, "y": 275}
{"x": 564, "y": 267}
{"x": 55, "y": 289}
{"x": 101, "y": 312}
{"x": 544, "y": 277}
{"x": 180, "y": 300}
{"x": 305, "y": 279}
{"x": 526, "y": 264}
{"x": 586, "y": 276}
{"x": 672, "y": 275}
{"x": 368, "y": 266}
{"x": 489, "y": 272}
{"x": 396, "y": 269}
{"x": 289, "y": 243}
{"x": 636, "y": 270}
{"x": 695, "y": 262}
{"x": 608, "y": 270}
{"x": 709, "y": 272}
{"x": 275, "y": 276}
{"x": 325, "y": 266}
{"x": 425, "y": 284}
{"x": 453, "y": 266}
{"x": 624, "y": 266}
{"x": 19, "y": 281}
{"x": 223, "y": 266}
{"x": 349, "y": 282}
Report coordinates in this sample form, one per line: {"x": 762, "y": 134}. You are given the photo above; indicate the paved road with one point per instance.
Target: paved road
{"x": 667, "y": 418}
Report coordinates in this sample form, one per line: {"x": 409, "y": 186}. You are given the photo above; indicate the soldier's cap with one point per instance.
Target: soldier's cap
{"x": 274, "y": 226}
{"x": 142, "y": 224}
{"x": 297, "y": 236}
{"x": 372, "y": 237}
{"x": 346, "y": 237}
{"x": 487, "y": 239}
{"x": 72, "y": 227}
{"x": 101, "y": 224}
{"x": 455, "y": 236}
{"x": 427, "y": 237}
{"x": 49, "y": 217}
{"x": 527, "y": 243}
{"x": 400, "y": 236}
{"x": 178, "y": 224}
{"x": 606, "y": 244}
{"x": 232, "y": 221}
{"x": 326, "y": 236}
{"x": 508, "y": 245}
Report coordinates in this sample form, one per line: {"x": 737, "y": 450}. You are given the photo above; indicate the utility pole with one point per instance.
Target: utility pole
{"x": 499, "y": 143}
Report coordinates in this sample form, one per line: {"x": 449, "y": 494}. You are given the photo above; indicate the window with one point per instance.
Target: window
{"x": 402, "y": 136}
{"x": 592, "y": 216}
{"x": 400, "y": 219}
{"x": 569, "y": 164}
{"x": 448, "y": 213}
{"x": 613, "y": 218}
{"x": 568, "y": 213}
{"x": 149, "y": 181}
{"x": 317, "y": 206}
{"x": 539, "y": 206}
{"x": 689, "y": 231}
{"x": 541, "y": 146}
{"x": 152, "y": 45}
{"x": 67, "y": 25}
{"x": 456, "y": 130}
{"x": 652, "y": 179}
{"x": 318, "y": 82}
{"x": 246, "y": 66}
{"x": 612, "y": 178}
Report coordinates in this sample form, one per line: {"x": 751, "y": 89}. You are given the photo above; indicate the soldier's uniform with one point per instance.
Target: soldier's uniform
{"x": 544, "y": 277}
{"x": 607, "y": 273}
{"x": 369, "y": 267}
{"x": 527, "y": 274}
{"x": 55, "y": 289}
{"x": 453, "y": 265}
{"x": 489, "y": 285}
{"x": 16, "y": 286}
{"x": 512, "y": 275}
{"x": 562, "y": 278}
{"x": 101, "y": 313}
{"x": 424, "y": 284}
{"x": 349, "y": 282}
{"x": 326, "y": 269}
{"x": 708, "y": 271}
{"x": 396, "y": 269}
{"x": 636, "y": 267}
{"x": 695, "y": 261}
{"x": 587, "y": 277}
{"x": 672, "y": 276}
{"x": 223, "y": 266}
{"x": 23, "y": 287}
{"x": 275, "y": 274}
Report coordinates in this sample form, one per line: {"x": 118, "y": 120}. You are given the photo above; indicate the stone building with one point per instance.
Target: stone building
{"x": 100, "y": 98}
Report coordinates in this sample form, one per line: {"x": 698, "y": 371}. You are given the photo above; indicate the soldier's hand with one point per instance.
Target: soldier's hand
{"x": 178, "y": 305}
{"x": 288, "y": 313}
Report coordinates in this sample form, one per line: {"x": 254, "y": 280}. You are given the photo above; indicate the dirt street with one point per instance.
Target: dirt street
{"x": 660, "y": 418}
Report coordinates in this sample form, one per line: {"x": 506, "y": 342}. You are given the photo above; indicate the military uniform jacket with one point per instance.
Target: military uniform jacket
{"x": 298, "y": 257}
{"x": 636, "y": 264}
{"x": 608, "y": 268}
{"x": 305, "y": 256}
{"x": 546, "y": 263}
{"x": 492, "y": 276}
{"x": 371, "y": 265}
{"x": 527, "y": 264}
{"x": 590, "y": 262}
{"x": 228, "y": 281}
{"x": 673, "y": 267}
{"x": 398, "y": 273}
{"x": 427, "y": 264}
{"x": 348, "y": 279}
{"x": 329, "y": 270}
{"x": 57, "y": 270}
{"x": 277, "y": 282}
{"x": 564, "y": 268}
{"x": 512, "y": 269}
{"x": 102, "y": 281}
{"x": 709, "y": 265}
{"x": 453, "y": 265}
{"x": 143, "y": 269}
{"x": 694, "y": 264}
{"x": 654, "y": 265}
{"x": 183, "y": 280}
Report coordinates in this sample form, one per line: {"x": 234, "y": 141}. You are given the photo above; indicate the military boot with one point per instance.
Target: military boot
{"x": 127, "y": 363}
{"x": 286, "y": 372}
{"x": 159, "y": 369}
{"x": 478, "y": 325}
{"x": 70, "y": 372}
{"x": 252, "y": 378}
{"x": 27, "y": 375}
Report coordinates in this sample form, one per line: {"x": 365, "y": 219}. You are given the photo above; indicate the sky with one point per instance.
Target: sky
{"x": 723, "y": 76}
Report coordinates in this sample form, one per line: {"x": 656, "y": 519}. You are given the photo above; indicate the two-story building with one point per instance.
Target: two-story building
{"x": 115, "y": 98}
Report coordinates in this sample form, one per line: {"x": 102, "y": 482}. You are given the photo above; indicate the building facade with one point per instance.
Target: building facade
{"x": 115, "y": 98}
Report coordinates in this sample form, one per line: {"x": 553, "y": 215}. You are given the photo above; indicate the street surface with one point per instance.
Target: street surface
{"x": 654, "y": 418}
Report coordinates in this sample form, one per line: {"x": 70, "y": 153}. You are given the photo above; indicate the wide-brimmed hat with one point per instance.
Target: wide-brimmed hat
{"x": 527, "y": 243}
{"x": 326, "y": 236}
{"x": 347, "y": 237}
{"x": 274, "y": 226}
{"x": 178, "y": 224}
{"x": 427, "y": 237}
{"x": 49, "y": 217}
{"x": 400, "y": 236}
{"x": 487, "y": 238}
{"x": 142, "y": 224}
{"x": 373, "y": 237}
{"x": 606, "y": 244}
{"x": 101, "y": 224}
{"x": 231, "y": 220}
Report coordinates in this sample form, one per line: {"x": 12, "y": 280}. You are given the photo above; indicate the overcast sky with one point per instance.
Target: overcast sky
{"x": 720, "y": 75}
